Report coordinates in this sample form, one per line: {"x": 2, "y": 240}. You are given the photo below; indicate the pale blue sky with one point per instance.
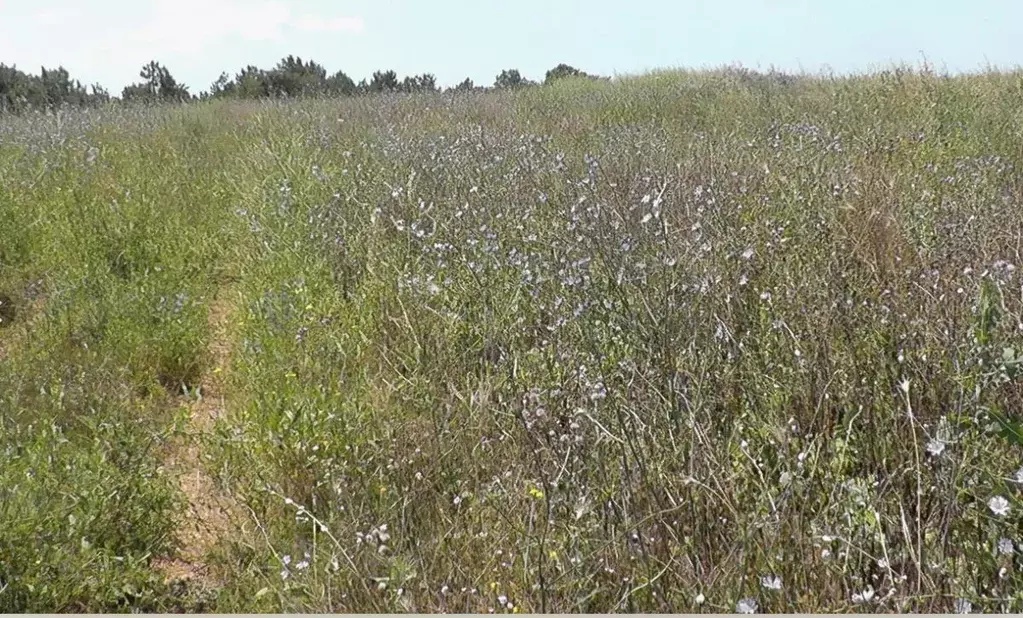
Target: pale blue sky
{"x": 109, "y": 40}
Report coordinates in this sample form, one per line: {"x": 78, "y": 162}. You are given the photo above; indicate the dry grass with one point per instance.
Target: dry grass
{"x": 686, "y": 342}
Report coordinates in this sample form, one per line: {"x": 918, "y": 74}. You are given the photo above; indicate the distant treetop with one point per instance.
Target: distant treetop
{"x": 291, "y": 77}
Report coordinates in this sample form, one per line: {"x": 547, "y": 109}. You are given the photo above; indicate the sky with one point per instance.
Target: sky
{"x": 108, "y": 41}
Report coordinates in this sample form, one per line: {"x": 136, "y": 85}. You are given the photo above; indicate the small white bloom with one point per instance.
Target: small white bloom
{"x": 771, "y": 582}
{"x": 1005, "y": 546}
{"x": 700, "y": 599}
{"x": 963, "y": 606}
{"x": 998, "y": 505}
{"x": 935, "y": 447}
{"x": 866, "y": 596}
{"x": 747, "y": 254}
{"x": 746, "y": 606}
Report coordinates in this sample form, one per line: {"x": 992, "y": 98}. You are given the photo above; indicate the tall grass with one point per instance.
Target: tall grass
{"x": 686, "y": 342}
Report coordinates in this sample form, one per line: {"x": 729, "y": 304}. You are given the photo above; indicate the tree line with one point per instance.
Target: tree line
{"x": 291, "y": 77}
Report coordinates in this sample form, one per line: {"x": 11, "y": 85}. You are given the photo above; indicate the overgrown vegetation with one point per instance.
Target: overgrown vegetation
{"x": 712, "y": 341}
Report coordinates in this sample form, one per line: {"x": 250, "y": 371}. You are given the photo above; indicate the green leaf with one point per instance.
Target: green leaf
{"x": 1011, "y": 430}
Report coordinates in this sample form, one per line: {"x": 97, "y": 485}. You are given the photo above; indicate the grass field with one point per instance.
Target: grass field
{"x": 684, "y": 342}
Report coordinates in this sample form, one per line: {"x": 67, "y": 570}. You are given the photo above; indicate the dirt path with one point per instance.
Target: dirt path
{"x": 211, "y": 514}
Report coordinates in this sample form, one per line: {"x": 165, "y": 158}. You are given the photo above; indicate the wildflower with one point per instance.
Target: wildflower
{"x": 866, "y": 596}
{"x": 700, "y": 599}
{"x": 935, "y": 447}
{"x": 747, "y": 254}
{"x": 746, "y": 606}
{"x": 998, "y": 505}
{"x": 1019, "y": 476}
{"x": 771, "y": 582}
{"x": 1005, "y": 546}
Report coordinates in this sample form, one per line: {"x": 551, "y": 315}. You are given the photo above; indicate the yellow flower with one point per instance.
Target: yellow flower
{"x": 536, "y": 493}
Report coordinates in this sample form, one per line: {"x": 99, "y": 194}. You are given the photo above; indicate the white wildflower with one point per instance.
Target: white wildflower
{"x": 771, "y": 582}
{"x": 746, "y": 606}
{"x": 866, "y": 596}
{"x": 998, "y": 505}
{"x": 1005, "y": 546}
